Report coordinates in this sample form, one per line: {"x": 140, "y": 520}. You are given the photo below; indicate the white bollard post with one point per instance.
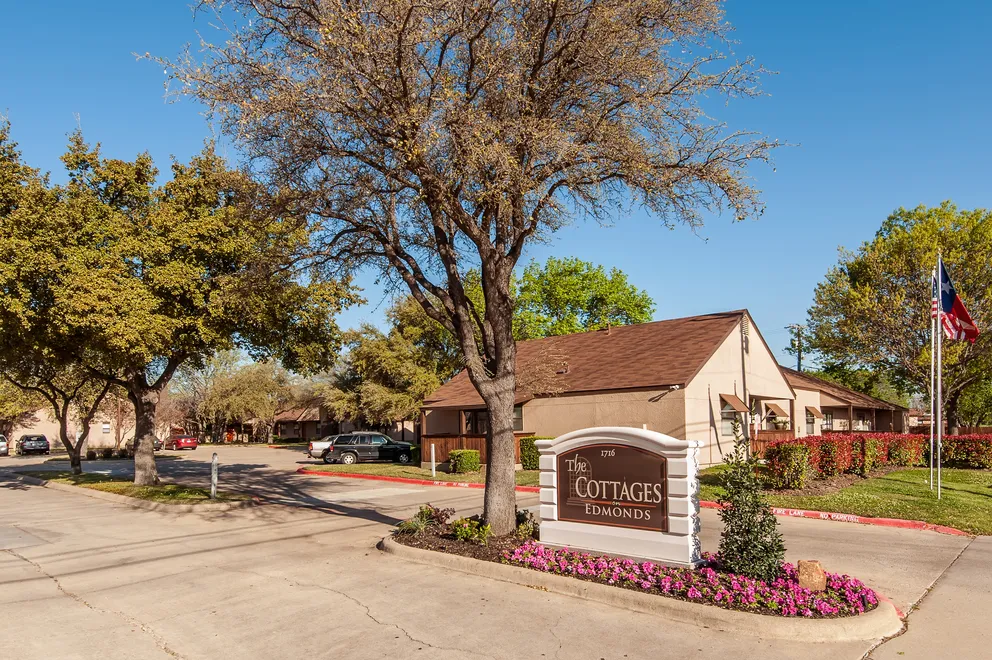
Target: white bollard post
{"x": 433, "y": 464}
{"x": 213, "y": 477}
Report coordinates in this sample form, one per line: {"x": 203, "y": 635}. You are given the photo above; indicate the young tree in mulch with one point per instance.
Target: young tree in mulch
{"x": 751, "y": 544}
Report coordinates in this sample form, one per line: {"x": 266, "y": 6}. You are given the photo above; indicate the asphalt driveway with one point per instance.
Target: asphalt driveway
{"x": 95, "y": 579}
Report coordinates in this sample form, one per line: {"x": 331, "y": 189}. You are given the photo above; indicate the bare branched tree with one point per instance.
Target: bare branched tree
{"x": 428, "y": 137}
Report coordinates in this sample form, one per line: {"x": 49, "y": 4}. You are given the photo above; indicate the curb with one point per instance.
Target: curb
{"x": 880, "y": 623}
{"x": 917, "y": 525}
{"x": 409, "y": 480}
{"x": 133, "y": 501}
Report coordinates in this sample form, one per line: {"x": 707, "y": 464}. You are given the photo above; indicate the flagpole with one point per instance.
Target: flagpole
{"x": 940, "y": 335}
{"x": 933, "y": 357}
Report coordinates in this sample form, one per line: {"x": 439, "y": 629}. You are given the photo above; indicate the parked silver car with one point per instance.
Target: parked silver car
{"x": 4, "y": 450}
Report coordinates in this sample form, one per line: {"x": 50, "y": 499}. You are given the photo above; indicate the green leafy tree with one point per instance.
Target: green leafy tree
{"x": 872, "y": 312}
{"x": 565, "y": 296}
{"x": 131, "y": 280}
{"x": 72, "y": 394}
{"x": 750, "y": 543}
{"x": 975, "y": 407}
{"x": 252, "y": 394}
{"x": 18, "y": 407}
{"x": 430, "y": 139}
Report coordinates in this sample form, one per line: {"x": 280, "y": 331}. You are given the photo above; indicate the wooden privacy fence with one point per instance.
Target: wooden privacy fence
{"x": 444, "y": 443}
{"x": 761, "y": 439}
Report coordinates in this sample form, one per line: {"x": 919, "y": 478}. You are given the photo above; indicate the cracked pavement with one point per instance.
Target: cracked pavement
{"x": 86, "y": 578}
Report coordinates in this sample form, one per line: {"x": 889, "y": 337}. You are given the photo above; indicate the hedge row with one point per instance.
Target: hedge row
{"x": 530, "y": 459}
{"x": 792, "y": 463}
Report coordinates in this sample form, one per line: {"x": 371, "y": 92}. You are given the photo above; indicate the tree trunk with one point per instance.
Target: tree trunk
{"x": 951, "y": 412}
{"x": 75, "y": 464}
{"x": 501, "y": 497}
{"x": 145, "y": 401}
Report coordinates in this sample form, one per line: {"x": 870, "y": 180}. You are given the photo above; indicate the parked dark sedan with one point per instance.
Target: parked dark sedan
{"x": 129, "y": 446}
{"x": 361, "y": 447}
{"x": 32, "y": 444}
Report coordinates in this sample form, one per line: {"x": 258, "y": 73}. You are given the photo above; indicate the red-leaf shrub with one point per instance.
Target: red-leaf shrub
{"x": 906, "y": 450}
{"x": 788, "y": 462}
{"x": 967, "y": 451}
{"x": 835, "y": 455}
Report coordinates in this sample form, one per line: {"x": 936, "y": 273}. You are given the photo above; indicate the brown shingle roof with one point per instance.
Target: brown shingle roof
{"x": 805, "y": 381}
{"x": 310, "y": 414}
{"x": 633, "y": 356}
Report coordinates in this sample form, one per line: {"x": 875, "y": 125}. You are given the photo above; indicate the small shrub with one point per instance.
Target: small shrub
{"x": 123, "y": 453}
{"x": 789, "y": 464}
{"x": 967, "y": 451}
{"x": 415, "y": 455}
{"x": 471, "y": 530}
{"x": 106, "y": 453}
{"x": 90, "y": 454}
{"x": 427, "y": 518}
{"x": 464, "y": 460}
{"x": 530, "y": 459}
{"x": 868, "y": 453}
{"x": 835, "y": 455}
{"x": 527, "y": 525}
{"x": 750, "y": 543}
{"x": 906, "y": 450}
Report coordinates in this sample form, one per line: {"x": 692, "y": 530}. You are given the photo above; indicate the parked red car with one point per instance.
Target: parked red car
{"x": 181, "y": 442}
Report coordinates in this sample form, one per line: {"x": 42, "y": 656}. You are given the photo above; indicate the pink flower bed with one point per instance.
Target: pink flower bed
{"x": 844, "y": 595}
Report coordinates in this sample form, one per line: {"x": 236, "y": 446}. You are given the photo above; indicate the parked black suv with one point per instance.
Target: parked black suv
{"x": 32, "y": 444}
{"x": 362, "y": 447}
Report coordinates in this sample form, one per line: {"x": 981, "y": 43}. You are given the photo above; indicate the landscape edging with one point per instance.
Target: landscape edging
{"x": 881, "y": 622}
{"x": 918, "y": 525}
{"x": 133, "y": 501}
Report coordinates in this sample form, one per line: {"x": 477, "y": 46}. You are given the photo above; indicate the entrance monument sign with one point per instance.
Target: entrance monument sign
{"x": 623, "y": 491}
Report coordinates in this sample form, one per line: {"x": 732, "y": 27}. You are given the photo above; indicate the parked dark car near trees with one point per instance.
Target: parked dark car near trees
{"x": 129, "y": 446}
{"x": 363, "y": 447}
{"x": 32, "y": 444}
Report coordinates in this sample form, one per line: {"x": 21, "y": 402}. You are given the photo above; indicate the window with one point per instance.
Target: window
{"x": 477, "y": 422}
{"x": 727, "y": 417}
{"x": 518, "y": 418}
{"x": 106, "y": 428}
{"x": 344, "y": 440}
{"x": 810, "y": 423}
{"x": 828, "y": 421}
{"x": 379, "y": 440}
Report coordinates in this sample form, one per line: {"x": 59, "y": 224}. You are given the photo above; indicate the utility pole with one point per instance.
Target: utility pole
{"x": 798, "y": 344}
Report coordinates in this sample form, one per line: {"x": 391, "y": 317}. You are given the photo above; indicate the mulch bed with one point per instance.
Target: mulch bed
{"x": 835, "y": 483}
{"x": 493, "y": 551}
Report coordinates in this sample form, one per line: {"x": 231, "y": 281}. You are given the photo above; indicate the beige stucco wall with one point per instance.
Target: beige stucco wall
{"x": 806, "y": 398}
{"x": 440, "y": 421}
{"x": 661, "y": 410}
{"x": 46, "y": 425}
{"x": 725, "y": 374}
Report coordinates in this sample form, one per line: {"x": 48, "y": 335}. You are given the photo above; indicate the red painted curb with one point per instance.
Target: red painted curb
{"x": 407, "y": 480}
{"x": 852, "y": 518}
{"x": 778, "y": 511}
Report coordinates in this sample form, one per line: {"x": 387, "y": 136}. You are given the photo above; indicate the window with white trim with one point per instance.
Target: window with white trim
{"x": 727, "y": 416}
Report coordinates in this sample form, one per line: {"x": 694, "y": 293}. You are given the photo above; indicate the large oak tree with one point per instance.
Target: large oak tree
{"x": 872, "y": 311}
{"x": 128, "y": 279}
{"x": 430, "y": 137}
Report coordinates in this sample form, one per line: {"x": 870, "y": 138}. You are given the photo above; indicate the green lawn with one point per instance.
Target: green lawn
{"x": 524, "y": 477}
{"x": 966, "y": 502}
{"x": 168, "y": 493}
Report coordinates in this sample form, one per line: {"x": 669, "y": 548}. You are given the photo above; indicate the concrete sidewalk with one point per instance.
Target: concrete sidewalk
{"x": 952, "y": 621}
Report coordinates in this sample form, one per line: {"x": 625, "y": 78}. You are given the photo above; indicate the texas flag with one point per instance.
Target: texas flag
{"x": 956, "y": 320}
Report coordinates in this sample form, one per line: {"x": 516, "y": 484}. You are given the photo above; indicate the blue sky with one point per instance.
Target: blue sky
{"x": 888, "y": 103}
